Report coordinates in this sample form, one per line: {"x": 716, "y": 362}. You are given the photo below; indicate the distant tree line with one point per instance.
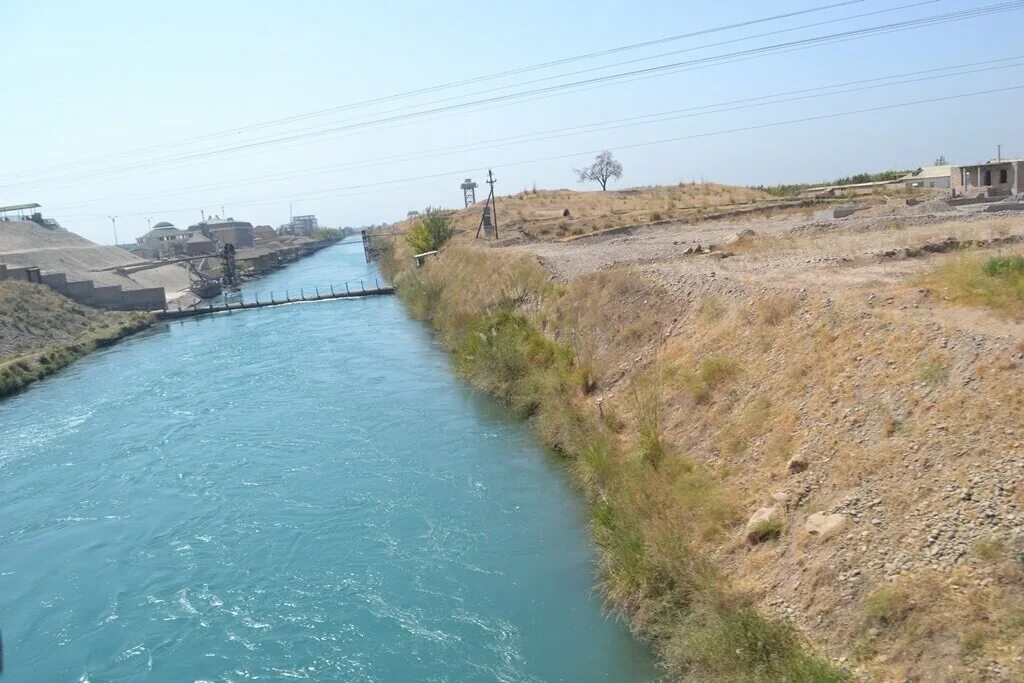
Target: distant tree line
{"x": 333, "y": 233}
{"x": 786, "y": 190}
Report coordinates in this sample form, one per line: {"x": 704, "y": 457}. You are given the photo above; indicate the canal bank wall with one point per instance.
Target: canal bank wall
{"x": 562, "y": 356}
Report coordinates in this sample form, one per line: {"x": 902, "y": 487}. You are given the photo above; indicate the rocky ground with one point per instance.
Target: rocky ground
{"x": 899, "y": 481}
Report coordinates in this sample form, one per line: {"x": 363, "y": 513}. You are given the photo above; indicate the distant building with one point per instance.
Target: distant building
{"x": 199, "y": 244}
{"x": 300, "y": 225}
{"x": 162, "y": 241}
{"x": 227, "y": 231}
{"x": 930, "y": 177}
{"x": 995, "y": 178}
{"x": 265, "y": 234}
{"x": 36, "y": 216}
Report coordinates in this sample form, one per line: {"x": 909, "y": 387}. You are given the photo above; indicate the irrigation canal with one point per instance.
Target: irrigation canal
{"x": 297, "y": 492}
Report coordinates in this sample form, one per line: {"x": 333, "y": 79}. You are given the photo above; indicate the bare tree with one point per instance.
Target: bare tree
{"x": 601, "y": 171}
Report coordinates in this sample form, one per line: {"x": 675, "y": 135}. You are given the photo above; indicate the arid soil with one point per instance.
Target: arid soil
{"x": 23, "y": 243}
{"x": 879, "y": 424}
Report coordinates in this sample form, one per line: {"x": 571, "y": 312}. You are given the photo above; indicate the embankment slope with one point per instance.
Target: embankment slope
{"x": 809, "y": 447}
{"x": 41, "y": 331}
{"x": 24, "y": 243}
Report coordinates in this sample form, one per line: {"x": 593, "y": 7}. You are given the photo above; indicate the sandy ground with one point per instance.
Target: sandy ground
{"x": 24, "y": 243}
{"x": 874, "y": 247}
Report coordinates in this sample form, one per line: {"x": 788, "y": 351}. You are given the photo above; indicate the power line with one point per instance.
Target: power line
{"x": 630, "y": 75}
{"x": 455, "y": 84}
{"x": 613, "y": 124}
{"x": 341, "y": 191}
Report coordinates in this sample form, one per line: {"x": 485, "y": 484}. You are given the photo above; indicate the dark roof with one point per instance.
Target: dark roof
{"x": 163, "y": 224}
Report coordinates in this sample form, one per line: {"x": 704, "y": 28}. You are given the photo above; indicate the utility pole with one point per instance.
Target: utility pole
{"x": 490, "y": 212}
{"x": 113, "y": 221}
{"x": 999, "y": 153}
{"x": 149, "y": 223}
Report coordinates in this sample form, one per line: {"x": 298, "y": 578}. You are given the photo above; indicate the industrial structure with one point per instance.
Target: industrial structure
{"x": 469, "y": 192}
{"x": 306, "y": 226}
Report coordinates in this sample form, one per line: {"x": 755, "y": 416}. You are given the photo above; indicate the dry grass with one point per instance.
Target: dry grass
{"x": 747, "y": 381}
{"x": 975, "y": 279}
{"x": 42, "y": 331}
{"x": 540, "y": 213}
{"x": 657, "y": 514}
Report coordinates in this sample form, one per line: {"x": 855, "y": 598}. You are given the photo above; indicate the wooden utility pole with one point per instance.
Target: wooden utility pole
{"x": 490, "y": 207}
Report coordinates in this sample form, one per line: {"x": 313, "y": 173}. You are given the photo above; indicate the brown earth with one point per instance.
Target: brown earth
{"x": 539, "y": 214}
{"x": 857, "y": 392}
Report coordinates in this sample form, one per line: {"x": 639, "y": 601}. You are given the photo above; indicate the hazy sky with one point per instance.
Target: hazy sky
{"x": 85, "y": 83}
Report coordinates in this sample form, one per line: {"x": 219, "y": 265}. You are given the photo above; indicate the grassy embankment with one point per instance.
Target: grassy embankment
{"x": 42, "y": 331}
{"x": 656, "y": 514}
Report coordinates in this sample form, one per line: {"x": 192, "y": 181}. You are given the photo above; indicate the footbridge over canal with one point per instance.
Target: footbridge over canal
{"x": 211, "y": 308}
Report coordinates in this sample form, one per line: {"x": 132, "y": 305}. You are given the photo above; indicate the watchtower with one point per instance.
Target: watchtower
{"x": 469, "y": 192}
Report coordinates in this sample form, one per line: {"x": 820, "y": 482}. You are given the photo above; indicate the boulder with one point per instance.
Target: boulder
{"x": 766, "y": 523}
{"x": 797, "y": 464}
{"x": 740, "y": 237}
{"x": 824, "y": 525}
{"x": 780, "y": 497}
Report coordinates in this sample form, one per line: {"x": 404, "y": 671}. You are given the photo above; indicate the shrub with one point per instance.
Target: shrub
{"x": 1009, "y": 267}
{"x": 744, "y": 646}
{"x": 430, "y": 232}
{"x": 887, "y": 606}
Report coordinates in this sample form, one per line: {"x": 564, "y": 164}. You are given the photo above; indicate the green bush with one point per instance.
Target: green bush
{"x": 430, "y": 233}
{"x": 1008, "y": 267}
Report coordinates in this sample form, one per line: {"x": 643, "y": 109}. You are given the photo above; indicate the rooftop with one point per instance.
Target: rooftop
{"x": 18, "y": 207}
{"x": 993, "y": 162}
{"x": 929, "y": 172}
{"x": 161, "y": 230}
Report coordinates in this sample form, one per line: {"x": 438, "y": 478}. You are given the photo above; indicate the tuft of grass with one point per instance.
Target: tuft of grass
{"x": 996, "y": 283}
{"x": 712, "y": 372}
{"x": 765, "y": 530}
{"x": 647, "y": 395}
{"x": 988, "y": 548}
{"x": 1006, "y": 267}
{"x": 887, "y": 606}
{"x": 744, "y": 646}
{"x": 933, "y": 373}
{"x": 752, "y": 422}
{"x": 773, "y": 310}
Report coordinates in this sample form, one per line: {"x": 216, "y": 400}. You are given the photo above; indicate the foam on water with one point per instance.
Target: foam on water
{"x": 303, "y": 493}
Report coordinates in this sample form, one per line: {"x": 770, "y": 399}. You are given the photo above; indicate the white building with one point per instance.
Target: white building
{"x": 930, "y": 177}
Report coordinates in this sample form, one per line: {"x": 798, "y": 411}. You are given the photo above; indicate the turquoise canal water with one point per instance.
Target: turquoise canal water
{"x": 303, "y": 492}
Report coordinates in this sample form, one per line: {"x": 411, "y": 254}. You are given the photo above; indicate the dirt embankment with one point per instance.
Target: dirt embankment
{"x": 42, "y": 331}
{"x": 24, "y": 243}
{"x": 847, "y": 392}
